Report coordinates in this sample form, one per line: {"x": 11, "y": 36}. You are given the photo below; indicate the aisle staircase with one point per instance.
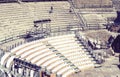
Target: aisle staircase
{"x": 82, "y": 22}
{"x": 88, "y": 50}
{"x": 67, "y": 61}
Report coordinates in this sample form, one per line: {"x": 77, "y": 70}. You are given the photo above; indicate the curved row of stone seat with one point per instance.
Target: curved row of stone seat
{"x": 72, "y": 51}
{"x": 93, "y": 3}
{"x": 14, "y": 19}
{"x": 36, "y": 53}
{"x": 18, "y": 18}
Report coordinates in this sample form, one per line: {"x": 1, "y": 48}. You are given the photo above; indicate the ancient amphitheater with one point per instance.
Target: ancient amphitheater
{"x": 61, "y": 38}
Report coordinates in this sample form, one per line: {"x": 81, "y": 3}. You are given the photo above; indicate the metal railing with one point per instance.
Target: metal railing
{"x": 82, "y": 22}
{"x": 95, "y": 6}
{"x": 11, "y": 38}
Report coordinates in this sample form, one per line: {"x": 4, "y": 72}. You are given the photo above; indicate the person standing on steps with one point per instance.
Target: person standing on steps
{"x": 51, "y": 9}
